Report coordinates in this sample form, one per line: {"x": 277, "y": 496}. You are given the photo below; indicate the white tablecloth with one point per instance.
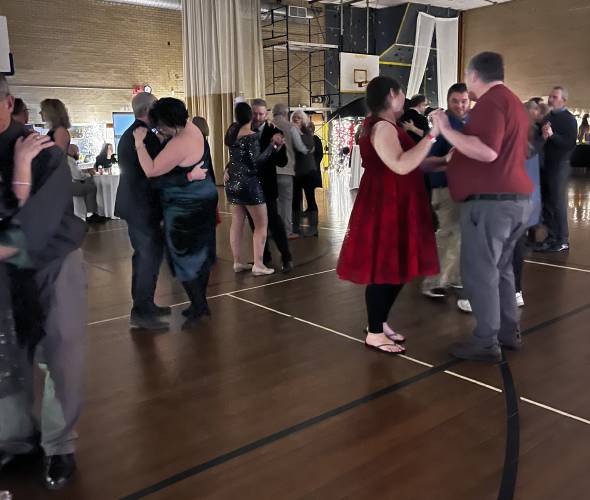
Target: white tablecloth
{"x": 106, "y": 194}
{"x": 356, "y": 167}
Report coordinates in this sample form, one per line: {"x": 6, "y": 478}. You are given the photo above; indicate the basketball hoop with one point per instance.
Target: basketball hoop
{"x": 361, "y": 78}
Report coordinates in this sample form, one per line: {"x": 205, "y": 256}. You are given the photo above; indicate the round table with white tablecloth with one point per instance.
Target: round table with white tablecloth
{"x": 106, "y": 194}
{"x": 356, "y": 167}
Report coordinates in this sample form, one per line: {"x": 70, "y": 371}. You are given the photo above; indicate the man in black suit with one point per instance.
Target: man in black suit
{"x": 139, "y": 204}
{"x": 268, "y": 179}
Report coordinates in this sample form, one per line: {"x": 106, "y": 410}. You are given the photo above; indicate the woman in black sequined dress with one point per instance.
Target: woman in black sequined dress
{"x": 244, "y": 190}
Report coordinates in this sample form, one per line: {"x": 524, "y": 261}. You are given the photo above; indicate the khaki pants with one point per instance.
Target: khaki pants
{"x": 285, "y": 201}
{"x": 448, "y": 241}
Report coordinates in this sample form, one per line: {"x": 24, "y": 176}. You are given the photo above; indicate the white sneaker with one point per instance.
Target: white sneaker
{"x": 435, "y": 293}
{"x": 519, "y": 299}
{"x": 464, "y": 305}
{"x": 240, "y": 268}
{"x": 262, "y": 271}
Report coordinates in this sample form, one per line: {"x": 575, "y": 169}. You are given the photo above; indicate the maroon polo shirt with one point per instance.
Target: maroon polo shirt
{"x": 500, "y": 121}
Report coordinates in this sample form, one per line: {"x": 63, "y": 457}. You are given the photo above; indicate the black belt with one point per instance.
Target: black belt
{"x": 498, "y": 197}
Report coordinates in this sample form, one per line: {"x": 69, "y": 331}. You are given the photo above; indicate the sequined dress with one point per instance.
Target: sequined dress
{"x": 246, "y": 159}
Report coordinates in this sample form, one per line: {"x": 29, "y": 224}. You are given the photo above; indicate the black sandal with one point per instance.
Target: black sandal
{"x": 383, "y": 351}
{"x": 398, "y": 340}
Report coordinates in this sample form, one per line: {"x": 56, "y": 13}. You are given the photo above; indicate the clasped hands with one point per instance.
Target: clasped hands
{"x": 547, "y": 131}
{"x": 277, "y": 140}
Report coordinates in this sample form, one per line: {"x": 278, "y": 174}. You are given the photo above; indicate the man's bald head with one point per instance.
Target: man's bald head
{"x": 141, "y": 105}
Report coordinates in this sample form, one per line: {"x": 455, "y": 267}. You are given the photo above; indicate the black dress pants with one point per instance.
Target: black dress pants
{"x": 148, "y": 250}
{"x": 304, "y": 184}
{"x": 555, "y": 180}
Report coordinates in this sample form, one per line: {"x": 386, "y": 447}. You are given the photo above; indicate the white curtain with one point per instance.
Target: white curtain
{"x": 422, "y": 45}
{"x": 447, "y": 61}
{"x": 223, "y": 59}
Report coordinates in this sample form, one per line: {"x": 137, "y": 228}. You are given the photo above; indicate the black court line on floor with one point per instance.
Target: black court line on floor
{"x": 509, "y": 474}
{"x": 511, "y": 455}
{"x": 221, "y": 459}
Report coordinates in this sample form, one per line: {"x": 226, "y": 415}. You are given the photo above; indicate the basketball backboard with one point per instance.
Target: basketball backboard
{"x": 356, "y": 71}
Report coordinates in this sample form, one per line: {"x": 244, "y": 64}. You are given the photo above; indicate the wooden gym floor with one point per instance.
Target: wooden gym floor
{"x": 275, "y": 397}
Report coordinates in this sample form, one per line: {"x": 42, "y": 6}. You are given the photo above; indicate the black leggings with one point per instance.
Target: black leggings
{"x": 520, "y": 250}
{"x": 196, "y": 290}
{"x": 380, "y": 299}
{"x": 307, "y": 184}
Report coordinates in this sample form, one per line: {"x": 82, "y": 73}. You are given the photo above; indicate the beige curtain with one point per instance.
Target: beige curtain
{"x": 223, "y": 59}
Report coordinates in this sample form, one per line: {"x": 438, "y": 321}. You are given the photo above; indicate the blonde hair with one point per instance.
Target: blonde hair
{"x": 55, "y": 113}
{"x": 202, "y": 125}
{"x": 303, "y": 115}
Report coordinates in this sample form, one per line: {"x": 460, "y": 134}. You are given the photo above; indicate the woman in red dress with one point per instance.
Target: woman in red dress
{"x": 390, "y": 238}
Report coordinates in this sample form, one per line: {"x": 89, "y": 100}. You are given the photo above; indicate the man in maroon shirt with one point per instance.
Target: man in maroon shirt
{"x": 487, "y": 176}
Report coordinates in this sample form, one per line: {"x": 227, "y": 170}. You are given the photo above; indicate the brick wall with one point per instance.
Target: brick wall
{"x": 89, "y": 43}
{"x": 543, "y": 43}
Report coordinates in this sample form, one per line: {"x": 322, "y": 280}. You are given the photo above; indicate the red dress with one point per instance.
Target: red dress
{"x": 390, "y": 237}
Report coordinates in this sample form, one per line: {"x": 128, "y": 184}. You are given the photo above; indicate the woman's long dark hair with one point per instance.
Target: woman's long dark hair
{"x": 585, "y": 122}
{"x": 378, "y": 92}
{"x": 170, "y": 112}
{"x": 243, "y": 113}
{"x": 105, "y": 149}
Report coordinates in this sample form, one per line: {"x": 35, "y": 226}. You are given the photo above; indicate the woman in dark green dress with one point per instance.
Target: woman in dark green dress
{"x": 189, "y": 211}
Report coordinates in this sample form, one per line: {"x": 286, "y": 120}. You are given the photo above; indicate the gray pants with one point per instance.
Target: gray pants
{"x": 61, "y": 357}
{"x": 448, "y": 240}
{"x": 489, "y": 232}
{"x": 285, "y": 201}
{"x": 87, "y": 190}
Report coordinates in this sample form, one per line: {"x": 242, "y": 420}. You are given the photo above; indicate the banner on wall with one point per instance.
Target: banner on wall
{"x": 356, "y": 71}
{"x": 447, "y": 42}
{"x": 6, "y": 65}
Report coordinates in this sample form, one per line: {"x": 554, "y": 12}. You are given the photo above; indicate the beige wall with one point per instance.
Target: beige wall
{"x": 543, "y": 43}
{"x": 88, "y": 43}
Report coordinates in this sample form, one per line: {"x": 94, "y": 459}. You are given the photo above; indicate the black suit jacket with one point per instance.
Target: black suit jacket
{"x": 419, "y": 120}
{"x": 137, "y": 200}
{"x": 268, "y": 171}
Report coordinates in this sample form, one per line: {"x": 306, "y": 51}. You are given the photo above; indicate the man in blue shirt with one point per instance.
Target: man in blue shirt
{"x": 448, "y": 236}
